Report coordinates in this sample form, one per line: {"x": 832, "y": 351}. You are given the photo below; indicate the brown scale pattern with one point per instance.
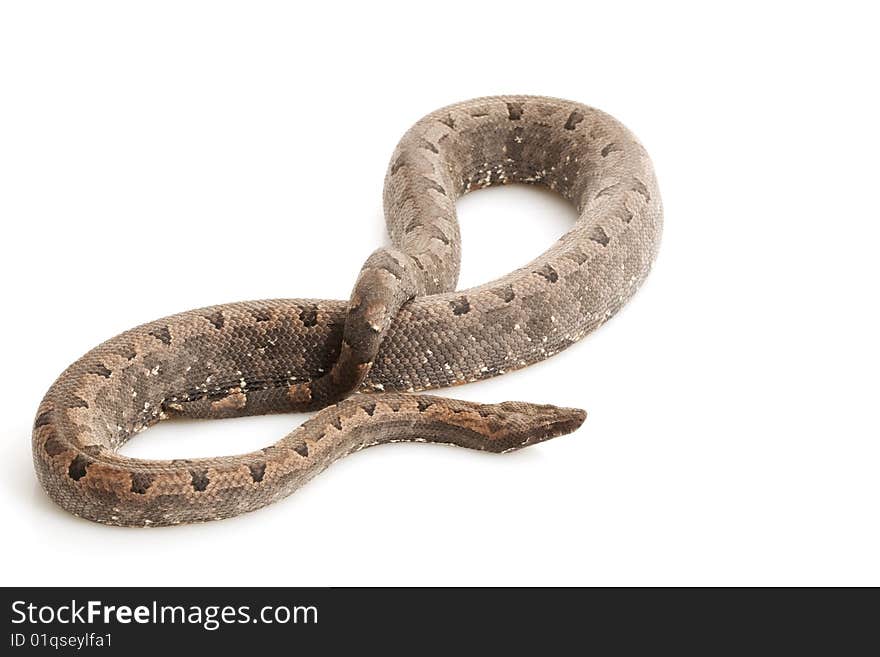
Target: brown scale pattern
{"x": 404, "y": 329}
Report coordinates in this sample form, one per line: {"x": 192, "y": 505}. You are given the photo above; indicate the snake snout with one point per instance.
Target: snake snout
{"x": 556, "y": 421}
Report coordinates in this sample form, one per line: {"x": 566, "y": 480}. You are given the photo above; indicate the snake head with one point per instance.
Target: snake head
{"x": 514, "y": 425}
{"x": 540, "y": 422}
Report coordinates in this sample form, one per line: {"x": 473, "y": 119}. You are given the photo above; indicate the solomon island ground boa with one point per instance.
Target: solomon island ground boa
{"x": 404, "y": 329}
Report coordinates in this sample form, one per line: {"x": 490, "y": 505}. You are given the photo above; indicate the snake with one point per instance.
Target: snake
{"x": 362, "y": 364}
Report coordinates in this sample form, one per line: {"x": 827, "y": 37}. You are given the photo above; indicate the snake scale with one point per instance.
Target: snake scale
{"x": 404, "y": 329}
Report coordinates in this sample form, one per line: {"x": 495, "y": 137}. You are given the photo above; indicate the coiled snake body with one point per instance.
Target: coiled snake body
{"x": 404, "y": 329}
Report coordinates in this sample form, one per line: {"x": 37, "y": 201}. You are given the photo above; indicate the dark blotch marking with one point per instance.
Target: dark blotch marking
{"x": 309, "y": 316}
{"x": 573, "y": 119}
{"x": 479, "y": 114}
{"x": 576, "y": 255}
{"x": 385, "y": 261}
{"x": 514, "y": 111}
{"x": 301, "y": 448}
{"x": 438, "y": 234}
{"x": 78, "y": 466}
{"x": 640, "y": 188}
{"x": 610, "y": 148}
{"x": 627, "y": 217}
{"x": 43, "y": 419}
{"x": 369, "y": 408}
{"x": 397, "y": 165}
{"x": 54, "y": 446}
{"x": 505, "y": 293}
{"x": 101, "y": 370}
{"x": 430, "y": 184}
{"x": 412, "y": 225}
{"x": 163, "y": 334}
{"x": 336, "y": 422}
{"x": 78, "y": 402}
{"x": 216, "y": 319}
{"x": 607, "y": 190}
{"x": 548, "y": 272}
{"x": 424, "y": 143}
{"x": 515, "y": 143}
{"x": 448, "y": 121}
{"x": 460, "y": 306}
{"x": 200, "y": 479}
{"x": 257, "y": 471}
{"x": 392, "y": 267}
{"x": 424, "y": 405}
{"x": 140, "y": 482}
{"x": 262, "y": 315}
{"x": 598, "y": 234}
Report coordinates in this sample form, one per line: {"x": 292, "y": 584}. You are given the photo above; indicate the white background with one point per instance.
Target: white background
{"x": 160, "y": 156}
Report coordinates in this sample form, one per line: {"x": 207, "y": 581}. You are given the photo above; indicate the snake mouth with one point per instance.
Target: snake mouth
{"x": 567, "y": 421}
